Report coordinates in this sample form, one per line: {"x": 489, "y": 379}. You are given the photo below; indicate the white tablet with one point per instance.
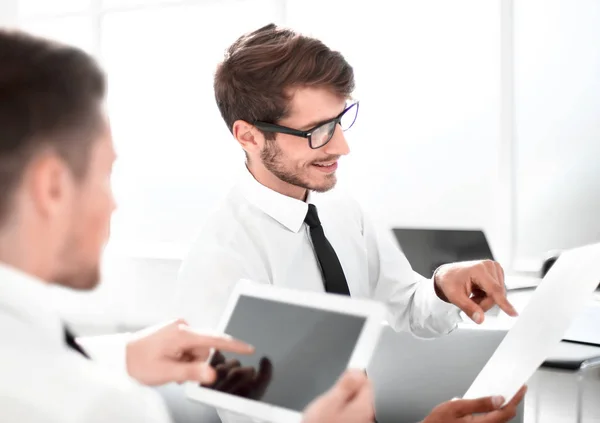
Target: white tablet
{"x": 304, "y": 341}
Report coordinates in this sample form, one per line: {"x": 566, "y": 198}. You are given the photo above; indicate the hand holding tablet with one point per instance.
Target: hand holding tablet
{"x": 304, "y": 342}
{"x": 347, "y": 402}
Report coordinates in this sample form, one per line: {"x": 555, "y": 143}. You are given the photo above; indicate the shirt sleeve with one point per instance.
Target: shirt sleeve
{"x": 413, "y": 305}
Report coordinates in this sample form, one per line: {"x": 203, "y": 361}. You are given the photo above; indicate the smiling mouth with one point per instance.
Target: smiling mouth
{"x": 326, "y": 167}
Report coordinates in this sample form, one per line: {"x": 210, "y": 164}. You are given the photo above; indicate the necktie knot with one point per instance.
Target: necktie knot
{"x": 312, "y": 217}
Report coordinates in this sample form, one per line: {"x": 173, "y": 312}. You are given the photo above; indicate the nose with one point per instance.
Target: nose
{"x": 337, "y": 146}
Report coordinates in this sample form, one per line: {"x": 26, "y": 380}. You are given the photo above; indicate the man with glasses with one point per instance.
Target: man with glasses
{"x": 287, "y": 100}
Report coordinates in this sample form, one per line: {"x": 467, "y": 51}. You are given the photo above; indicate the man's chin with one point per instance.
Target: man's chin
{"x": 325, "y": 186}
{"x": 84, "y": 281}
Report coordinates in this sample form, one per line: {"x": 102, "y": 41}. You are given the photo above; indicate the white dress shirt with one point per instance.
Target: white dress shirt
{"x": 259, "y": 234}
{"x": 42, "y": 380}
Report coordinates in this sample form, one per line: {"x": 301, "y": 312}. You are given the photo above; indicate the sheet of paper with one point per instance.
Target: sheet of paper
{"x": 563, "y": 293}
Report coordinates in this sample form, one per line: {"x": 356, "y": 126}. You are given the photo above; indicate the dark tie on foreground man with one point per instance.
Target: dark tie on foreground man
{"x": 334, "y": 279}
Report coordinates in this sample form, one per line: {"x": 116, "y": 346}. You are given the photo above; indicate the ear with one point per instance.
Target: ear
{"x": 250, "y": 138}
{"x": 49, "y": 184}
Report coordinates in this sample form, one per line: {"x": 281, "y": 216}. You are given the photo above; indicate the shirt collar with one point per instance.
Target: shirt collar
{"x": 29, "y": 299}
{"x": 288, "y": 211}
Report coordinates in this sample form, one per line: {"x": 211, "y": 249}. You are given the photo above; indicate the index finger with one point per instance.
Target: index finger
{"x": 500, "y": 299}
{"x": 497, "y": 292}
{"x": 190, "y": 339}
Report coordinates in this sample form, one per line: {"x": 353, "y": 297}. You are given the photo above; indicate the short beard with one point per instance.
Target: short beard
{"x": 271, "y": 155}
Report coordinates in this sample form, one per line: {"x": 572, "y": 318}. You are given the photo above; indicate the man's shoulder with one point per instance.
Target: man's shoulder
{"x": 234, "y": 218}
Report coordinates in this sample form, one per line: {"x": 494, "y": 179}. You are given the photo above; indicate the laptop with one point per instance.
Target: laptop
{"x": 427, "y": 249}
{"x": 585, "y": 329}
{"x": 411, "y": 376}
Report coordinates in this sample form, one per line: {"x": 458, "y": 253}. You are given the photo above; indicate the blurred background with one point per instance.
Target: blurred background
{"x": 475, "y": 114}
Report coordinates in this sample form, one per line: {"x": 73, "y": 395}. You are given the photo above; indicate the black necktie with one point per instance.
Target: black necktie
{"x": 70, "y": 340}
{"x": 333, "y": 274}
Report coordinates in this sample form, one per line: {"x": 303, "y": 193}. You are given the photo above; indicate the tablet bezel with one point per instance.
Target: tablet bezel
{"x": 373, "y": 312}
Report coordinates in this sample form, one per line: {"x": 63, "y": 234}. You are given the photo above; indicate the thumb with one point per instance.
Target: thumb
{"x": 193, "y": 372}
{"x": 347, "y": 386}
{"x": 470, "y": 307}
{"x": 480, "y": 405}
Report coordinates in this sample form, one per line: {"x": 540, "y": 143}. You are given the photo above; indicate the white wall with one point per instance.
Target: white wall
{"x": 425, "y": 150}
{"x": 8, "y": 12}
{"x": 177, "y": 157}
{"x": 557, "y": 93}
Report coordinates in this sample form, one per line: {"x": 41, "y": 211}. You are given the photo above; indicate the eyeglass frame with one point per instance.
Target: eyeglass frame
{"x": 273, "y": 127}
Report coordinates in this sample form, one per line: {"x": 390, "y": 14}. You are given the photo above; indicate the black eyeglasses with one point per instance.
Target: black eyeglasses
{"x": 320, "y": 134}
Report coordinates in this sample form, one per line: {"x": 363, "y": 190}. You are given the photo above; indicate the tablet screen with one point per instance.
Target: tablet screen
{"x": 300, "y": 352}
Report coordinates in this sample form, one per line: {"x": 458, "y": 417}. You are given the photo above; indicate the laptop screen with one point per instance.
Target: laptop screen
{"x": 427, "y": 249}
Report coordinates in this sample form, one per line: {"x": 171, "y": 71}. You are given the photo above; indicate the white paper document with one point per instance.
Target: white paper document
{"x": 563, "y": 293}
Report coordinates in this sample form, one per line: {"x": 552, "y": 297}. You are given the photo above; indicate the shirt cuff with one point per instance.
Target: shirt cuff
{"x": 436, "y": 302}
{"x": 108, "y": 350}
{"x": 440, "y": 310}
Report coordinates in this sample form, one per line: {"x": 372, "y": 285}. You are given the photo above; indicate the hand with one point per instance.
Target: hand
{"x": 481, "y": 410}
{"x": 176, "y": 353}
{"x": 474, "y": 287}
{"x": 349, "y": 401}
{"x": 234, "y": 379}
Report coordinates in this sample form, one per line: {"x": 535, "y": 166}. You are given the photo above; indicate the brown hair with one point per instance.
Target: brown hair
{"x": 260, "y": 67}
{"x": 50, "y": 98}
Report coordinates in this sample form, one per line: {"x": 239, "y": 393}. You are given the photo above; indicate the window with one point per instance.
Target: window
{"x": 176, "y": 157}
